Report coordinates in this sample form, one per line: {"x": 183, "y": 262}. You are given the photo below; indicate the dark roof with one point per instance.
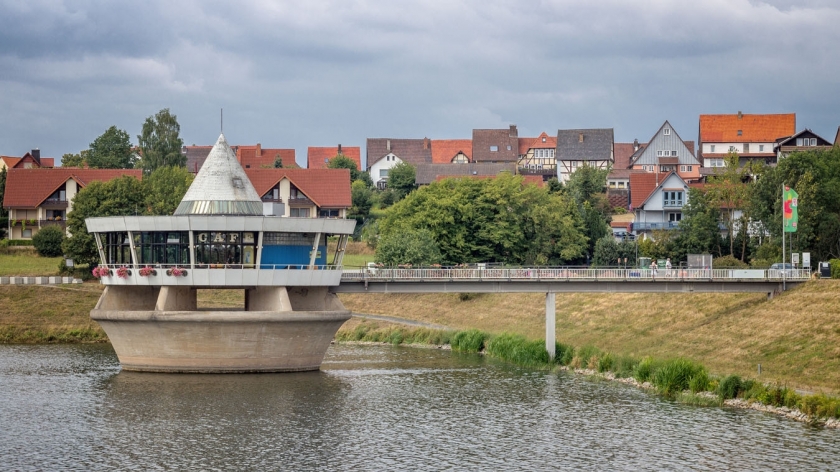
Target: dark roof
{"x": 196, "y": 155}
{"x": 585, "y": 144}
{"x": 622, "y": 153}
{"x": 410, "y": 151}
{"x": 495, "y": 145}
{"x": 428, "y": 173}
{"x": 791, "y": 140}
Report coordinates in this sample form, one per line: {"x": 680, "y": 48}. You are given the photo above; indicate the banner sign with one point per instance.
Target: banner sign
{"x": 791, "y": 214}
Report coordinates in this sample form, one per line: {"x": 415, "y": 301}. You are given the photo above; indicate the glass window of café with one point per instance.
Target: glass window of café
{"x": 162, "y": 247}
{"x": 217, "y": 249}
{"x": 116, "y": 247}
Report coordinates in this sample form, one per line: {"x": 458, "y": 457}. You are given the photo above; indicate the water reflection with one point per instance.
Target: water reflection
{"x": 370, "y": 408}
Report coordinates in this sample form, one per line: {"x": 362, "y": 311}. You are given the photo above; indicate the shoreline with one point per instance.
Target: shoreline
{"x": 739, "y": 403}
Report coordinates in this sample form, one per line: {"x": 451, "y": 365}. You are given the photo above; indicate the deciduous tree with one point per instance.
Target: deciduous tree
{"x": 160, "y": 142}
{"x": 111, "y": 150}
{"x": 401, "y": 179}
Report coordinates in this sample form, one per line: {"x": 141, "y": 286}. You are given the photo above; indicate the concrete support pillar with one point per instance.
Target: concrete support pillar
{"x": 267, "y": 299}
{"x": 128, "y": 298}
{"x": 314, "y": 299}
{"x": 550, "y": 324}
{"x": 177, "y": 299}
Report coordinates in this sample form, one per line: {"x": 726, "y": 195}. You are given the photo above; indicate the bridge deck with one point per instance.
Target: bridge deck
{"x": 545, "y": 280}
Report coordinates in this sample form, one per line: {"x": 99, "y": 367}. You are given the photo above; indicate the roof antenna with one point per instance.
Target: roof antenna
{"x": 222, "y": 120}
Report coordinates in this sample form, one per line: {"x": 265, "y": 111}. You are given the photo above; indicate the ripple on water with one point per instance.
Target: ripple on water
{"x": 370, "y": 408}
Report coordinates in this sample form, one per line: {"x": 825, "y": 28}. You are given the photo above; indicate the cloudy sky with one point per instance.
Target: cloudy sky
{"x": 318, "y": 73}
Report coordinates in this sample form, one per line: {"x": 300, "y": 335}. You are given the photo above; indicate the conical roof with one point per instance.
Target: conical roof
{"x": 221, "y": 187}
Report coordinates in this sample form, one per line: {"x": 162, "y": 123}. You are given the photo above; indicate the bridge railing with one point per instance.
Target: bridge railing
{"x": 433, "y": 274}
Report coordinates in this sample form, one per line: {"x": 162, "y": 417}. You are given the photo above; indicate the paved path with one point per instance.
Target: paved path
{"x": 392, "y": 319}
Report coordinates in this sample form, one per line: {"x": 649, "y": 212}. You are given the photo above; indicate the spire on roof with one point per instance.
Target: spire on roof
{"x": 221, "y": 187}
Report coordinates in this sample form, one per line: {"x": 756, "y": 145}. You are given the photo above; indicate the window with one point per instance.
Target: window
{"x": 508, "y": 147}
{"x": 27, "y": 233}
{"x": 672, "y": 198}
{"x": 621, "y": 185}
{"x": 686, "y": 168}
{"x": 666, "y": 168}
{"x": 299, "y": 212}
{"x": 732, "y": 149}
{"x": 225, "y": 247}
{"x": 740, "y": 133}
{"x": 711, "y": 148}
{"x": 813, "y": 141}
{"x": 673, "y": 153}
{"x": 383, "y": 173}
{"x": 799, "y": 141}
{"x": 543, "y": 139}
{"x": 659, "y": 153}
{"x": 494, "y": 148}
{"x": 760, "y": 148}
{"x": 674, "y": 217}
{"x": 164, "y": 247}
{"x": 328, "y": 213}
{"x": 666, "y": 132}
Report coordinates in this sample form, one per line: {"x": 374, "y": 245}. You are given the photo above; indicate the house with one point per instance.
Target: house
{"x": 656, "y": 200}
{"x": 536, "y": 156}
{"x": 619, "y": 176}
{"x": 451, "y": 151}
{"x": 385, "y": 153}
{"x": 428, "y": 173}
{"x": 495, "y": 145}
{"x": 319, "y": 157}
{"x": 303, "y": 193}
{"x": 30, "y": 160}
{"x": 249, "y": 156}
{"x": 39, "y": 197}
{"x": 667, "y": 152}
{"x": 578, "y": 147}
{"x": 805, "y": 140}
{"x": 753, "y": 137}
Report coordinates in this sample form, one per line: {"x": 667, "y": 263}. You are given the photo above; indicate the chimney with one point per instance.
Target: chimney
{"x": 425, "y": 143}
{"x": 36, "y": 155}
{"x": 258, "y": 151}
{"x": 388, "y": 145}
{"x": 513, "y": 132}
{"x": 635, "y": 145}
{"x": 740, "y": 115}
{"x": 339, "y": 149}
{"x": 580, "y": 137}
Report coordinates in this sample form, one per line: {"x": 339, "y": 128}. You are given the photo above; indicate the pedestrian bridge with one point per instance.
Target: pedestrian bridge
{"x": 567, "y": 280}
{"x": 551, "y": 281}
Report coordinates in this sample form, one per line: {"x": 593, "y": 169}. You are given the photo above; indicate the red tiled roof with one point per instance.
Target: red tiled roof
{"x": 526, "y": 144}
{"x": 28, "y": 188}
{"x": 10, "y": 161}
{"x": 642, "y": 184}
{"x": 622, "y": 153}
{"x": 318, "y": 157}
{"x": 255, "y": 157}
{"x": 444, "y": 150}
{"x": 327, "y": 188}
{"x": 753, "y": 128}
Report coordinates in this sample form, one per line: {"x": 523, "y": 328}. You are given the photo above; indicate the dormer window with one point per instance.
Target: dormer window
{"x": 666, "y": 131}
{"x": 494, "y": 148}
{"x": 740, "y": 132}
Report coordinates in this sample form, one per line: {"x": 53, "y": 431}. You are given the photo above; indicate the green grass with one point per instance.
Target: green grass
{"x": 471, "y": 340}
{"x": 356, "y": 260}
{"x": 518, "y": 350}
{"x": 26, "y": 262}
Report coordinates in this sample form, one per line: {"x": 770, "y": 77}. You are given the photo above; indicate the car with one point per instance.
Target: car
{"x": 779, "y": 269}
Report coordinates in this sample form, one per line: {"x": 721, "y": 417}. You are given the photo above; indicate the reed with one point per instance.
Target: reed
{"x": 471, "y": 340}
{"x": 675, "y": 376}
{"x": 518, "y": 350}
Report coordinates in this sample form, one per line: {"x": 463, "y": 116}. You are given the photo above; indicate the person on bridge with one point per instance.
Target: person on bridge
{"x": 668, "y": 267}
{"x": 653, "y": 267}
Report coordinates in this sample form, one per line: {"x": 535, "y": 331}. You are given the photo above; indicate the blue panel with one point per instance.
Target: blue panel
{"x": 291, "y": 255}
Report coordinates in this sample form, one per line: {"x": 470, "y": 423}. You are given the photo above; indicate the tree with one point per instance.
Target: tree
{"x": 729, "y": 192}
{"x": 608, "y": 251}
{"x": 48, "y": 241}
{"x": 74, "y": 160}
{"x": 417, "y": 248}
{"x": 278, "y": 162}
{"x": 165, "y": 188}
{"x": 699, "y": 232}
{"x": 111, "y": 150}
{"x": 118, "y": 197}
{"x": 586, "y": 186}
{"x": 160, "y": 143}
{"x": 361, "y": 200}
{"x": 401, "y": 179}
{"x": 341, "y": 161}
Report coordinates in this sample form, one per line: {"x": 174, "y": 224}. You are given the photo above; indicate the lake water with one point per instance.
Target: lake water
{"x": 371, "y": 408}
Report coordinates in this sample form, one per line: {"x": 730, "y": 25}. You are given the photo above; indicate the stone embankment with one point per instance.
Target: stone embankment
{"x": 38, "y": 280}
{"x": 790, "y": 413}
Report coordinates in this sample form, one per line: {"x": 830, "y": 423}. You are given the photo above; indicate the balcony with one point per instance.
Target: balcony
{"x": 666, "y": 225}
{"x": 54, "y": 204}
{"x": 300, "y": 200}
{"x": 539, "y": 170}
{"x": 59, "y": 223}
{"x": 672, "y": 203}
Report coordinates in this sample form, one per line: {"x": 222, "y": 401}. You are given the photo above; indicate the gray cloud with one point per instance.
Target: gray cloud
{"x": 298, "y": 74}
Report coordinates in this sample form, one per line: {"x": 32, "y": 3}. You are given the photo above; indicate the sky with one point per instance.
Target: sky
{"x": 293, "y": 74}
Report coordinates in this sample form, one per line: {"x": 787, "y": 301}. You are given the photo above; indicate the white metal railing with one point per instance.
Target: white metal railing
{"x": 571, "y": 274}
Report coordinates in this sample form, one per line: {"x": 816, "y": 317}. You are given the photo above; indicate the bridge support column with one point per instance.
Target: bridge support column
{"x": 550, "y": 324}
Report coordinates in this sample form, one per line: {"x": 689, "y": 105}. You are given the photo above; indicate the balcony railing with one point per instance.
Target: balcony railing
{"x": 656, "y": 226}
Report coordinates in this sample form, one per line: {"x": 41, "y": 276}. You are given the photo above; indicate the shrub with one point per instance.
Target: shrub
{"x": 48, "y": 241}
{"x": 675, "y": 376}
{"x": 518, "y": 350}
{"x": 567, "y": 357}
{"x": 835, "y": 268}
{"x": 605, "y": 363}
{"x": 644, "y": 370}
{"x": 468, "y": 341}
{"x": 586, "y": 353}
{"x": 699, "y": 383}
{"x": 624, "y": 366}
{"x": 730, "y": 387}
{"x": 728, "y": 262}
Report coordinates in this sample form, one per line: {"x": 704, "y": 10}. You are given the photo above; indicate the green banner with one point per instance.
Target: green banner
{"x": 791, "y": 213}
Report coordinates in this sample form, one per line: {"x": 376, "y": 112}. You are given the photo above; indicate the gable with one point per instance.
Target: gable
{"x": 411, "y": 151}
{"x": 495, "y": 145}
{"x": 665, "y": 140}
{"x": 28, "y": 188}
{"x": 328, "y": 188}
{"x": 444, "y": 150}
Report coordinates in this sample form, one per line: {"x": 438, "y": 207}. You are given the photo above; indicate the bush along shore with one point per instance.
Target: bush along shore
{"x": 679, "y": 379}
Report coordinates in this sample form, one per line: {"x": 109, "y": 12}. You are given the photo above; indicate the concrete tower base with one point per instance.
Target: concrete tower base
{"x": 159, "y": 329}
